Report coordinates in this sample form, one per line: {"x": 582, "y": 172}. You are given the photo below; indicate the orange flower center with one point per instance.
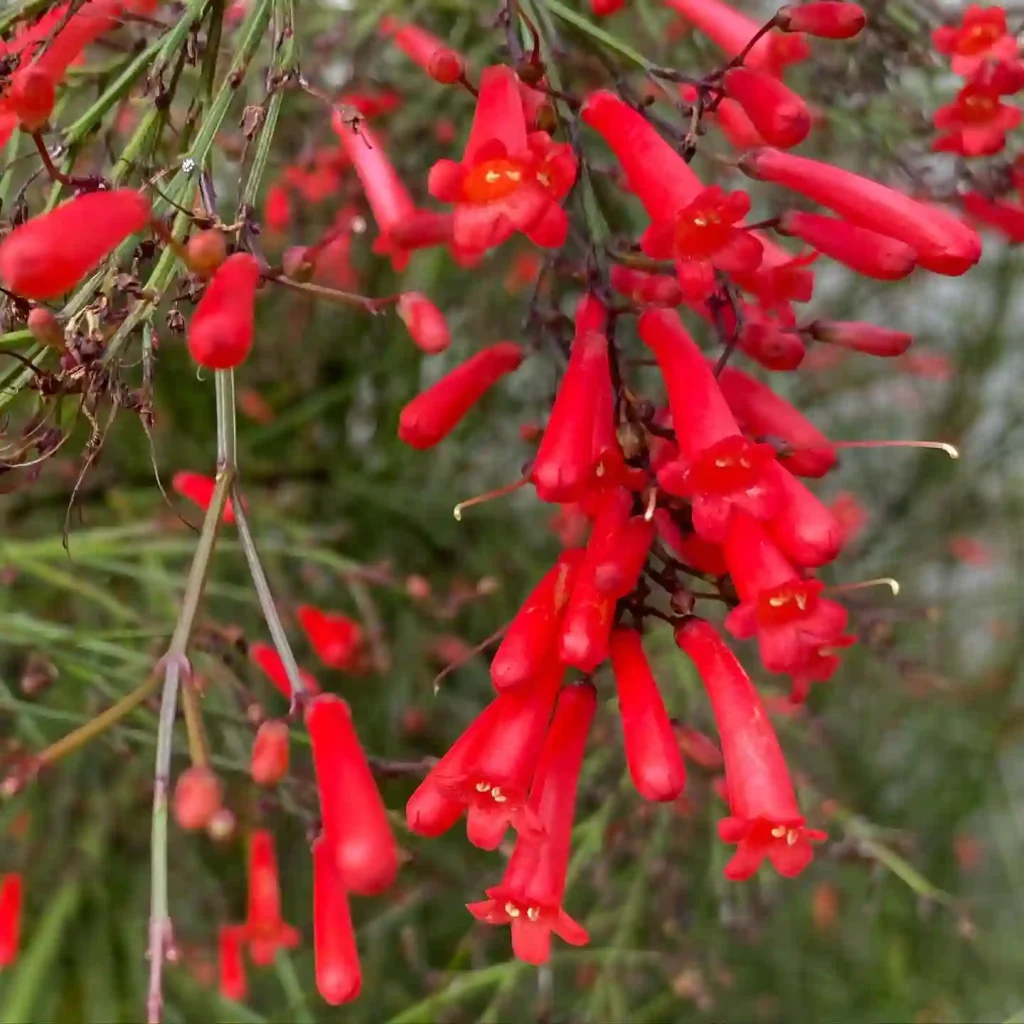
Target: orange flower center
{"x": 787, "y": 603}
{"x": 492, "y": 179}
{"x": 978, "y": 38}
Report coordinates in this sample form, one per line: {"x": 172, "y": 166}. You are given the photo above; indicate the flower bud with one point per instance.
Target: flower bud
{"x": 45, "y": 327}
{"x": 866, "y": 252}
{"x": 31, "y": 96}
{"x": 205, "y": 252}
{"x": 426, "y": 323}
{"x": 780, "y": 116}
{"x": 221, "y": 332}
{"x": 861, "y": 337}
{"x": 446, "y": 67}
{"x": 827, "y": 20}
{"x": 230, "y": 965}
{"x": 338, "y": 975}
{"x": 270, "y": 753}
{"x": 197, "y": 797}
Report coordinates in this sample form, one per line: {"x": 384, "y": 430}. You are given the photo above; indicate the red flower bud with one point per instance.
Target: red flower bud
{"x": 11, "y": 890}
{"x": 426, "y": 323}
{"x": 355, "y": 821}
{"x": 446, "y": 66}
{"x": 51, "y": 253}
{"x": 205, "y": 252}
{"x": 198, "y": 488}
{"x": 827, "y": 20}
{"x": 336, "y": 638}
{"x": 338, "y": 975}
{"x": 867, "y": 252}
{"x": 269, "y": 763}
{"x": 652, "y": 752}
{"x": 197, "y": 796}
{"x": 432, "y": 415}
{"x": 779, "y": 114}
{"x": 221, "y": 332}
{"x": 230, "y": 965}
{"x": 31, "y": 95}
{"x": 861, "y": 337}
{"x": 277, "y": 209}
{"x": 264, "y": 927}
{"x": 45, "y": 327}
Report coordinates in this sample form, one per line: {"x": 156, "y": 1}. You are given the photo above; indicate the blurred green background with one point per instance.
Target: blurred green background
{"x": 910, "y": 757}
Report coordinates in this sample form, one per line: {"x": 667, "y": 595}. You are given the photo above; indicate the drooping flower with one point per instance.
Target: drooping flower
{"x": 616, "y": 572}
{"x": 425, "y": 322}
{"x": 652, "y": 751}
{"x": 943, "y": 243}
{"x": 731, "y": 31}
{"x": 222, "y": 329}
{"x": 802, "y": 526}
{"x": 265, "y": 930}
{"x": 339, "y": 977}
{"x": 765, "y": 818}
{"x": 866, "y": 252}
{"x": 532, "y": 891}
{"x": 197, "y": 797}
{"x": 791, "y": 619}
{"x": 273, "y": 667}
{"x": 336, "y": 638}
{"x": 233, "y": 983}
{"x": 49, "y": 254}
{"x": 703, "y": 237}
{"x": 781, "y": 278}
{"x": 718, "y": 469}
{"x": 434, "y": 413}
{"x": 355, "y": 821}
{"x": 531, "y": 637}
{"x": 861, "y": 337}
{"x": 508, "y": 180}
{"x": 762, "y": 413}
{"x": 269, "y": 762}
{"x": 31, "y": 94}
{"x": 644, "y": 288}
{"x": 975, "y": 123}
{"x": 416, "y": 43}
{"x": 779, "y": 115}
{"x": 198, "y": 488}
{"x": 981, "y": 36}
{"x": 11, "y": 897}
{"x": 1004, "y": 216}
{"x": 826, "y": 19}
{"x": 691, "y": 550}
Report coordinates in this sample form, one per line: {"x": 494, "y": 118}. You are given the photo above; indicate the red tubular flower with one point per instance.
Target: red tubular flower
{"x": 264, "y": 929}
{"x": 981, "y": 36}
{"x": 780, "y": 116}
{"x": 770, "y": 338}
{"x": 646, "y": 289}
{"x": 565, "y": 460}
{"x": 730, "y": 31}
{"x": 618, "y": 571}
{"x": 602, "y": 8}
{"x": 11, "y": 891}
{"x": 389, "y": 199}
{"x": 197, "y": 798}
{"x": 587, "y": 623}
{"x": 31, "y": 96}
{"x": 230, "y": 965}
{"x": 277, "y": 208}
{"x": 719, "y": 469}
{"x": 943, "y": 244}
{"x": 793, "y": 623}
{"x": 339, "y": 977}
{"x": 490, "y": 774}
{"x": 273, "y": 667}
{"x": 867, "y": 252}
{"x": 446, "y": 67}
{"x": 976, "y": 122}
{"x": 829, "y": 19}
{"x": 336, "y": 638}
{"x": 851, "y": 515}
{"x": 659, "y": 177}
{"x": 703, "y": 237}
{"x": 861, "y": 337}
{"x": 781, "y": 278}
{"x": 49, "y": 254}
{"x": 1008, "y": 218}
{"x": 531, "y": 636}
{"x": 765, "y": 819}
{"x": 425, "y": 322}
{"x": 735, "y": 124}
{"x": 803, "y": 526}
{"x": 690, "y": 549}
{"x": 432, "y": 415}
{"x": 762, "y": 413}
{"x": 83, "y": 27}
{"x": 221, "y": 333}
{"x": 652, "y": 752}
{"x": 508, "y": 180}
{"x": 269, "y": 763}
{"x": 530, "y": 895}
{"x": 416, "y": 43}
{"x": 355, "y": 821}
{"x": 198, "y": 488}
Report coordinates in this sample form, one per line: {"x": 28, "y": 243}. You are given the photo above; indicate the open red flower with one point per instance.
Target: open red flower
{"x": 703, "y": 237}
{"x": 265, "y": 930}
{"x": 336, "y": 638}
{"x": 507, "y": 180}
{"x": 766, "y": 819}
{"x": 975, "y": 123}
{"x": 530, "y": 896}
{"x": 981, "y": 36}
